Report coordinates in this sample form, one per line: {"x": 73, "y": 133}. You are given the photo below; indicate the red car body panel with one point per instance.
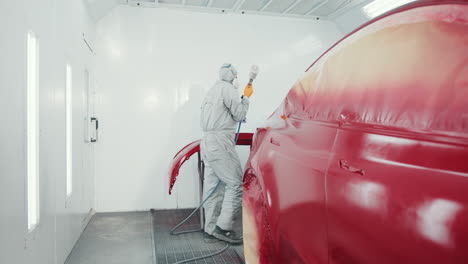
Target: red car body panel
{"x": 186, "y": 152}
{"x": 370, "y": 164}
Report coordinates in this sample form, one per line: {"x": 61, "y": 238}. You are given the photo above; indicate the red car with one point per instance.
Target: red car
{"x": 366, "y": 160}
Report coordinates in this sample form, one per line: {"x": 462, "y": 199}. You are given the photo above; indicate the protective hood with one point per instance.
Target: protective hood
{"x": 227, "y": 73}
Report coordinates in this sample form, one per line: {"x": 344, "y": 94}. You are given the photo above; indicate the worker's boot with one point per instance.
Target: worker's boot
{"x": 227, "y": 235}
{"x": 209, "y": 238}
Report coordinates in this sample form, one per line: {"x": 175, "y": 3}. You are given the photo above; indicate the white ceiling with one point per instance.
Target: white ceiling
{"x": 308, "y": 9}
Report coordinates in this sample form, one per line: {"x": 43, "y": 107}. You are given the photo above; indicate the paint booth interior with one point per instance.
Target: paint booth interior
{"x": 101, "y": 97}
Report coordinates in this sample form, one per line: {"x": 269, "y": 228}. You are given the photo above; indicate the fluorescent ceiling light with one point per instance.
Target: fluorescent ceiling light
{"x": 378, "y": 7}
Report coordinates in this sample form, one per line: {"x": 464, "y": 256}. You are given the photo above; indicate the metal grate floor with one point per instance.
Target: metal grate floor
{"x": 170, "y": 249}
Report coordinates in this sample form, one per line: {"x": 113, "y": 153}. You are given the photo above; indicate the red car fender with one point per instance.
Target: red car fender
{"x": 245, "y": 139}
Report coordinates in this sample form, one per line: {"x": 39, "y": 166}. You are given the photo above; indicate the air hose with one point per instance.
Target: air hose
{"x": 173, "y": 231}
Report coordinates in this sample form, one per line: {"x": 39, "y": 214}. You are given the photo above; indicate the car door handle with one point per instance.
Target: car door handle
{"x": 274, "y": 142}
{"x": 345, "y": 166}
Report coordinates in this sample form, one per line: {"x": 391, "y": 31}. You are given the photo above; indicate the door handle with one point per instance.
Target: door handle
{"x": 345, "y": 166}
{"x": 96, "y": 122}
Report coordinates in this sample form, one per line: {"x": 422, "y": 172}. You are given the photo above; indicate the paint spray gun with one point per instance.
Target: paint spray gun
{"x": 253, "y": 73}
{"x": 248, "y": 91}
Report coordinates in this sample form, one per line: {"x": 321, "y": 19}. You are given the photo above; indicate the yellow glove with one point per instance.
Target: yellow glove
{"x": 248, "y": 91}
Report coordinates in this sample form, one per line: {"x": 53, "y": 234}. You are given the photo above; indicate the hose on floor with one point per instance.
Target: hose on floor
{"x": 173, "y": 231}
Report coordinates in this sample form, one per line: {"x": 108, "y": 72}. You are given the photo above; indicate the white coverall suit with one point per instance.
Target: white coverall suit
{"x": 221, "y": 111}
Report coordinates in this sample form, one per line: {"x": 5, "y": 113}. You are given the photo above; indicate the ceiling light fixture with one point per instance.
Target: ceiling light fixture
{"x": 378, "y": 7}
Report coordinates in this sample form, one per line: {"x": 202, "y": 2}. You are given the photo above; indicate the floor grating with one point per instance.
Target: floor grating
{"x": 170, "y": 249}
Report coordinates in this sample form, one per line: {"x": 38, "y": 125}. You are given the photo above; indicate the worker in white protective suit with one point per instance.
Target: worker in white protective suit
{"x": 221, "y": 111}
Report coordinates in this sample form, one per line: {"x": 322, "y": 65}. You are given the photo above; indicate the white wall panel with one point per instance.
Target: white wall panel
{"x": 352, "y": 18}
{"x": 153, "y": 67}
{"x": 72, "y": 212}
{"x": 13, "y": 224}
{"x": 58, "y": 26}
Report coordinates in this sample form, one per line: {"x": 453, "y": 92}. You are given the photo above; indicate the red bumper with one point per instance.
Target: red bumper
{"x": 245, "y": 139}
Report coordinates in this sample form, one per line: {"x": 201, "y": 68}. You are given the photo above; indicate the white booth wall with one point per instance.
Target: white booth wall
{"x": 59, "y": 26}
{"x": 353, "y": 18}
{"x": 153, "y": 67}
